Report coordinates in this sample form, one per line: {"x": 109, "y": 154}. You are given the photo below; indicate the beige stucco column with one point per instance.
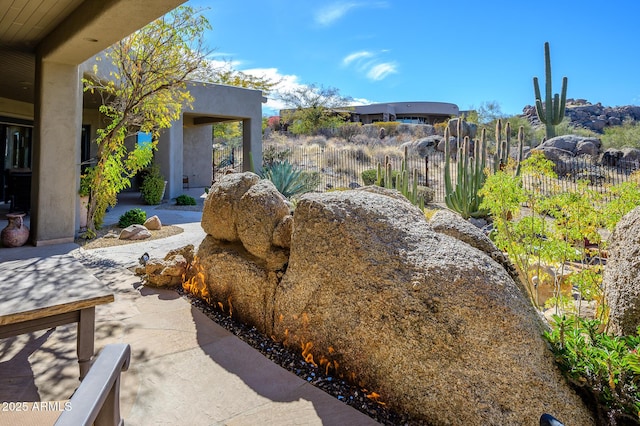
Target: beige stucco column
{"x": 56, "y": 152}
{"x": 252, "y": 142}
{"x": 169, "y": 158}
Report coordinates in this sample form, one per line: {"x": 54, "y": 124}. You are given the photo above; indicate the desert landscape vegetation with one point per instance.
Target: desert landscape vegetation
{"x": 406, "y": 258}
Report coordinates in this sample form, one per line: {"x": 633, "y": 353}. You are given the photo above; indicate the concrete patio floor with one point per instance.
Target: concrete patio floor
{"x": 185, "y": 368}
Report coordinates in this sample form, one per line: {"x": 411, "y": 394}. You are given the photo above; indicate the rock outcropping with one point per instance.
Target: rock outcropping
{"x": 594, "y": 117}
{"x": 371, "y": 291}
{"x": 621, "y": 278}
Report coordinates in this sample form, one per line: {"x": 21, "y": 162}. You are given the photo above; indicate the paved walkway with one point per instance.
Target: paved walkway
{"x": 185, "y": 369}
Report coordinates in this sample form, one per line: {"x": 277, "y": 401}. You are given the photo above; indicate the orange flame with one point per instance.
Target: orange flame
{"x": 306, "y": 353}
{"x": 197, "y": 285}
{"x": 375, "y": 396}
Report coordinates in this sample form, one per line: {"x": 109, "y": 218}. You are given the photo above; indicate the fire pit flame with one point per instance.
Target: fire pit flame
{"x": 375, "y": 396}
{"x": 196, "y": 285}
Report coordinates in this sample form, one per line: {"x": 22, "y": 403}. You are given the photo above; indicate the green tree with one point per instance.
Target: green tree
{"x": 313, "y": 108}
{"x": 144, "y": 92}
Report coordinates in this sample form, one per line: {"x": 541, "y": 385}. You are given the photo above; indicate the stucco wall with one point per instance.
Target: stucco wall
{"x": 198, "y": 155}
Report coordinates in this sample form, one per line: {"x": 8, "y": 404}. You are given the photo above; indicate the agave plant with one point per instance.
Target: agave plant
{"x": 287, "y": 179}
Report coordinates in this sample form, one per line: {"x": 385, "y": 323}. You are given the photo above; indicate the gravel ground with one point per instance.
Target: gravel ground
{"x": 108, "y": 236}
{"x": 344, "y": 391}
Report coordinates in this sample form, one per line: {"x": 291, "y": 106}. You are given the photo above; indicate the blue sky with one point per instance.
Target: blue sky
{"x": 464, "y": 52}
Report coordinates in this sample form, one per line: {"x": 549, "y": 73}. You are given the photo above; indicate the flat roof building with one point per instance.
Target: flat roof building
{"x": 405, "y": 112}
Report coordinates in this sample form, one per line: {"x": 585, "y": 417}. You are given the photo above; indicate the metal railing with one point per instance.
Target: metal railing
{"x": 340, "y": 168}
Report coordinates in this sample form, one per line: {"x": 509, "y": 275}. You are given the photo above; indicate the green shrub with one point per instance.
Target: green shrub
{"x": 132, "y": 217}
{"x": 153, "y": 186}
{"x": 185, "y": 200}
{"x": 370, "y": 176}
{"x": 606, "y": 368}
{"x": 625, "y": 136}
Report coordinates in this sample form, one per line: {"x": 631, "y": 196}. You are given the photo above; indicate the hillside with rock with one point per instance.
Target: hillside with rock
{"x": 594, "y": 117}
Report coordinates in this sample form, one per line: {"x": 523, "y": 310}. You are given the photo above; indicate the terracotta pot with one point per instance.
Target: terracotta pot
{"x": 16, "y": 233}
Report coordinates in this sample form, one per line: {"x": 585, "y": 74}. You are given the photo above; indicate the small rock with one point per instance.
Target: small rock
{"x": 134, "y": 232}
{"x": 153, "y": 223}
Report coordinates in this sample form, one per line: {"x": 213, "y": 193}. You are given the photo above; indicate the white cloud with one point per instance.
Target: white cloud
{"x": 370, "y": 65}
{"x": 380, "y": 71}
{"x": 357, "y": 56}
{"x": 333, "y": 12}
{"x": 288, "y": 82}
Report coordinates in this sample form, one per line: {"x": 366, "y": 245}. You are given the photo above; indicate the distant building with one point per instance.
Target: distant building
{"x": 405, "y": 112}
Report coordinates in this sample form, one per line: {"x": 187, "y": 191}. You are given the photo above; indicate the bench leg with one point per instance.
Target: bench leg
{"x": 86, "y": 330}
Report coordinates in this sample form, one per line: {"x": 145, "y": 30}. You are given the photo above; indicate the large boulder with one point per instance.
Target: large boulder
{"x": 236, "y": 281}
{"x": 611, "y": 157}
{"x": 621, "y": 278}
{"x": 447, "y": 222}
{"x": 242, "y": 208}
{"x": 220, "y": 207}
{"x": 589, "y": 146}
{"x": 423, "y": 146}
{"x": 630, "y": 158}
{"x": 570, "y": 146}
{"x": 436, "y": 327}
{"x": 258, "y": 213}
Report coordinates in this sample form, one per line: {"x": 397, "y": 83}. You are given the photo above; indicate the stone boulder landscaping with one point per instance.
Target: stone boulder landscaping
{"x": 621, "y": 277}
{"x": 372, "y": 292}
{"x": 568, "y": 146}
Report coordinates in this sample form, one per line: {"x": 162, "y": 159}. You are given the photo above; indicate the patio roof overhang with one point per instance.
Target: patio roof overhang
{"x": 64, "y": 31}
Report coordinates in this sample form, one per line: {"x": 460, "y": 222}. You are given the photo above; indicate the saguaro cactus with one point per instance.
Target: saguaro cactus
{"x": 553, "y": 111}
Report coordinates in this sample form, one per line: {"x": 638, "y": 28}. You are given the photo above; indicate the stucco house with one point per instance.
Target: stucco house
{"x": 47, "y": 123}
{"x": 406, "y": 112}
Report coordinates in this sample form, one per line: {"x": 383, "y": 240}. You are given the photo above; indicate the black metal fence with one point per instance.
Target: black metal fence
{"x": 343, "y": 168}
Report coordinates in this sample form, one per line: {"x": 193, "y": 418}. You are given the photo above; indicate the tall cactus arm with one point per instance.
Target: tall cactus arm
{"x": 563, "y": 101}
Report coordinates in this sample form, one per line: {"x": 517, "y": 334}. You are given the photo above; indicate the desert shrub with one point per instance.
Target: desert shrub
{"x": 627, "y": 135}
{"x": 310, "y": 180}
{"x": 317, "y": 140}
{"x": 426, "y": 193}
{"x": 370, "y": 176}
{"x": 153, "y": 186}
{"x": 349, "y": 130}
{"x": 185, "y": 200}
{"x": 564, "y": 128}
{"x": 605, "y": 368}
{"x": 361, "y": 139}
{"x": 271, "y": 155}
{"x": 132, "y": 217}
{"x": 439, "y": 127}
{"x": 359, "y": 154}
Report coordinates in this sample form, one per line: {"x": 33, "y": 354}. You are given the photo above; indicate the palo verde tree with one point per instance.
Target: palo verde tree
{"x": 312, "y": 108}
{"x": 145, "y": 90}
